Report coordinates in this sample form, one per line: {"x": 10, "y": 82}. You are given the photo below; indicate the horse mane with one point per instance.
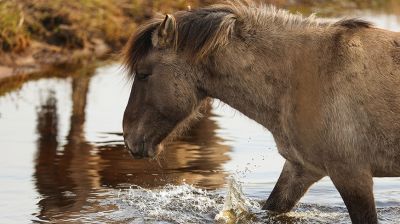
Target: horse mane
{"x": 203, "y": 30}
{"x": 139, "y": 45}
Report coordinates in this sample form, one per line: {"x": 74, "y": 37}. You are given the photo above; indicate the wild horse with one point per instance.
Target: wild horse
{"x": 328, "y": 91}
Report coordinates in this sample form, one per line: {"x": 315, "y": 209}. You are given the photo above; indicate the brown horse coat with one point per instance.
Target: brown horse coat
{"x": 329, "y": 92}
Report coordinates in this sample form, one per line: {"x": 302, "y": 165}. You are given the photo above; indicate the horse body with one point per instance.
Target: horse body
{"x": 327, "y": 91}
{"x": 330, "y": 95}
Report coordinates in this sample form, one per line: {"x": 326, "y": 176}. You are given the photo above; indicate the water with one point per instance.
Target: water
{"x": 63, "y": 160}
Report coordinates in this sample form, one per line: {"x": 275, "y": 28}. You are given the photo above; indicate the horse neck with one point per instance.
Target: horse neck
{"x": 258, "y": 77}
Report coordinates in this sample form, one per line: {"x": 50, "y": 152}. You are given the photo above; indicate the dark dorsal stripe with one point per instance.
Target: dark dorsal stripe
{"x": 354, "y": 23}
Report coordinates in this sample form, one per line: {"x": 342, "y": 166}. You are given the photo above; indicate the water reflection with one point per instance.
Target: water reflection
{"x": 47, "y": 182}
{"x": 196, "y": 158}
{"x": 64, "y": 178}
{"x": 68, "y": 176}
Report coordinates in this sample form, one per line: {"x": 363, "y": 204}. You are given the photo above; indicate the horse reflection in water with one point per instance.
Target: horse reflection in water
{"x": 195, "y": 158}
{"x": 68, "y": 175}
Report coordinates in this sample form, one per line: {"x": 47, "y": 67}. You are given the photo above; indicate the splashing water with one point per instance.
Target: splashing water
{"x": 237, "y": 208}
{"x": 188, "y": 204}
{"x": 172, "y": 204}
{"x": 185, "y": 204}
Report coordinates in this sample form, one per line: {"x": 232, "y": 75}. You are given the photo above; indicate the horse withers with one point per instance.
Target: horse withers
{"x": 328, "y": 91}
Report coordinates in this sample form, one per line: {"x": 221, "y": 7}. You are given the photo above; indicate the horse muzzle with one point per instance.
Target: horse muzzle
{"x": 142, "y": 149}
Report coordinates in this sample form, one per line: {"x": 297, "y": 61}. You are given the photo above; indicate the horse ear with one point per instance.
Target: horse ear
{"x": 165, "y": 35}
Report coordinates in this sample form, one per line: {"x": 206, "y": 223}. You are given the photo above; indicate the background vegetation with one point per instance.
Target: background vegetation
{"x": 65, "y": 26}
{"x": 74, "y": 24}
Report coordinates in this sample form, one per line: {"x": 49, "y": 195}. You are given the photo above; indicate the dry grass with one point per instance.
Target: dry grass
{"x": 73, "y": 24}
{"x": 12, "y": 33}
{"x": 76, "y": 24}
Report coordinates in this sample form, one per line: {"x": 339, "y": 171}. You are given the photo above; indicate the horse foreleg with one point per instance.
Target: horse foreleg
{"x": 292, "y": 184}
{"x": 356, "y": 189}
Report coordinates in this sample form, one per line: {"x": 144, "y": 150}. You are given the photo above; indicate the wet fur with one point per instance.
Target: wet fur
{"x": 327, "y": 90}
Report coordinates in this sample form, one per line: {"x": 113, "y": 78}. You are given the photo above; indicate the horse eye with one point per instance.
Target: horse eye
{"x": 142, "y": 76}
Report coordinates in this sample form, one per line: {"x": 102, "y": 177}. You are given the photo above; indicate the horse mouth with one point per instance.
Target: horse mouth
{"x": 143, "y": 150}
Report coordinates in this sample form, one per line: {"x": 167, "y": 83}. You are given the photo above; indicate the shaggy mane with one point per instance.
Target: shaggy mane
{"x": 201, "y": 31}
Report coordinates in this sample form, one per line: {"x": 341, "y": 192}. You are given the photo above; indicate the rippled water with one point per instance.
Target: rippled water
{"x": 62, "y": 160}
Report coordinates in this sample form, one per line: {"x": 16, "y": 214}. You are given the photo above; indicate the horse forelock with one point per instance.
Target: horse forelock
{"x": 139, "y": 45}
{"x": 204, "y": 30}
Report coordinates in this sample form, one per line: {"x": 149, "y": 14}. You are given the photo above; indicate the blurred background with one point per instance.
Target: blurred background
{"x": 62, "y": 96}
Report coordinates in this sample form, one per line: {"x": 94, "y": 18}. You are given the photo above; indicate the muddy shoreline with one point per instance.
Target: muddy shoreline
{"x": 44, "y": 58}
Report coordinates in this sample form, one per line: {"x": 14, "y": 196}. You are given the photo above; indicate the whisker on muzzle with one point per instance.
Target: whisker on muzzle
{"x": 142, "y": 149}
{"x": 157, "y": 158}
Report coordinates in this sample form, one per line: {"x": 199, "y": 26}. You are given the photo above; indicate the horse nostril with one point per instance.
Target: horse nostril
{"x": 136, "y": 151}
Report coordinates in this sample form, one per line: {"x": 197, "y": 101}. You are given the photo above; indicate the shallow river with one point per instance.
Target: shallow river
{"x": 63, "y": 160}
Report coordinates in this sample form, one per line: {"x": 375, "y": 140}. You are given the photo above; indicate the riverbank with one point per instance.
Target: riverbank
{"x": 42, "y": 34}
{"x": 39, "y": 35}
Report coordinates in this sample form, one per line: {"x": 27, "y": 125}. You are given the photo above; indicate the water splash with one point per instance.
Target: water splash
{"x": 185, "y": 204}
{"x": 188, "y": 204}
{"x": 237, "y": 207}
{"x": 172, "y": 204}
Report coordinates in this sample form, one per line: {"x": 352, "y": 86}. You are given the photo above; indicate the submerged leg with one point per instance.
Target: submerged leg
{"x": 356, "y": 189}
{"x": 292, "y": 184}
